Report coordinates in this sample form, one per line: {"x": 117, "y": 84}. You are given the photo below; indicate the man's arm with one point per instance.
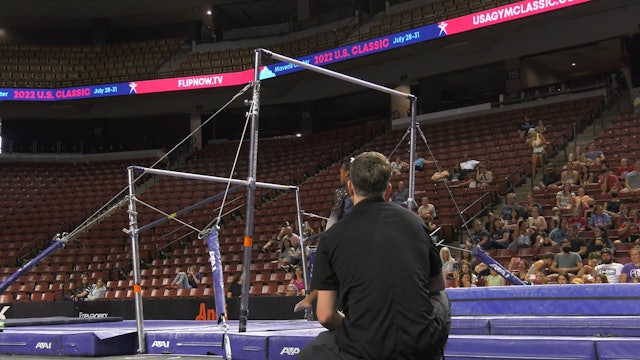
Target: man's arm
{"x": 623, "y": 278}
{"x": 437, "y": 283}
{"x": 484, "y": 240}
{"x": 583, "y": 250}
{"x": 326, "y": 310}
{"x": 577, "y": 267}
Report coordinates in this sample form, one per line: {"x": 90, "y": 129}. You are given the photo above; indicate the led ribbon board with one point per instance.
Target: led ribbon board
{"x": 453, "y": 26}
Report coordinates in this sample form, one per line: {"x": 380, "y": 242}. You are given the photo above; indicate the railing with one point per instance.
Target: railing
{"x": 509, "y": 185}
{"x": 485, "y": 206}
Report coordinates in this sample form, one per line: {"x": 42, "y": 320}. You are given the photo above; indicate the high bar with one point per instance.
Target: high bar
{"x": 336, "y": 74}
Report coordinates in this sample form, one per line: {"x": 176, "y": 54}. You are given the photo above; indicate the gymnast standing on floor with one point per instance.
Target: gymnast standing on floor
{"x": 342, "y": 205}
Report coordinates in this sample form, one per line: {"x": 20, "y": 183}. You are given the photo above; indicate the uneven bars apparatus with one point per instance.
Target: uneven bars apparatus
{"x": 134, "y": 231}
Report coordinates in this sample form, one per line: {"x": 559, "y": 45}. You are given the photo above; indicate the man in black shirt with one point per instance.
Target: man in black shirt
{"x": 550, "y": 178}
{"x": 379, "y": 267}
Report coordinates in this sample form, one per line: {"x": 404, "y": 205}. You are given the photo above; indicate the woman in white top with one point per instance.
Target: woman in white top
{"x": 447, "y": 262}
{"x": 537, "y": 143}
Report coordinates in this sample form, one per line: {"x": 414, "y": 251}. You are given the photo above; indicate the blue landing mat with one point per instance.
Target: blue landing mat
{"x": 471, "y": 338}
{"x": 599, "y": 326}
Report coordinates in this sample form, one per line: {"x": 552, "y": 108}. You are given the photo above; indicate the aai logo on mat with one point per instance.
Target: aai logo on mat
{"x": 160, "y": 344}
{"x": 290, "y": 351}
{"x": 43, "y": 345}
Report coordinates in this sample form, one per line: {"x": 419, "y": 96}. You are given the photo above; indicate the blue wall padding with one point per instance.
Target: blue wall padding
{"x": 591, "y": 299}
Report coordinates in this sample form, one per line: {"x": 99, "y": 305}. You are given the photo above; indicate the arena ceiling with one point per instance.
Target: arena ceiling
{"x": 78, "y": 14}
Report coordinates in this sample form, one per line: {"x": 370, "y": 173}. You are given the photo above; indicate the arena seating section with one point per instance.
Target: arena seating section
{"x": 49, "y": 66}
{"x": 41, "y": 200}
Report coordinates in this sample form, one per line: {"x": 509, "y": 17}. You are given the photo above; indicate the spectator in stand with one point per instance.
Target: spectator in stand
{"x": 189, "y": 279}
{"x": 599, "y": 218}
{"x": 541, "y": 127}
{"x": 550, "y": 178}
{"x": 632, "y": 180}
{"x": 283, "y": 251}
{"x": 494, "y": 279}
{"x": 523, "y": 129}
{"x": 601, "y": 279}
{"x": 512, "y": 221}
{"x": 530, "y": 204}
{"x": 584, "y": 202}
{"x": 468, "y": 165}
{"x": 235, "y": 288}
{"x": 521, "y": 237}
{"x": 542, "y": 265}
{"x": 629, "y": 230}
{"x": 608, "y": 182}
{"x": 586, "y": 176}
{"x": 464, "y": 255}
{"x": 613, "y": 206}
{"x": 578, "y": 219}
{"x": 484, "y": 177}
{"x": 290, "y": 255}
{"x": 322, "y": 226}
{"x": 623, "y": 169}
{"x": 162, "y": 159}
{"x": 291, "y": 290}
{"x": 570, "y": 175}
{"x": 578, "y": 245}
{"x": 398, "y": 166}
{"x": 286, "y": 232}
{"x": 401, "y": 195}
{"x": 612, "y": 270}
{"x": 419, "y": 162}
{"x": 478, "y": 236}
{"x": 599, "y": 241}
{"x": 537, "y": 222}
{"x": 442, "y": 175}
{"x": 499, "y": 234}
{"x": 561, "y": 232}
{"x": 593, "y": 156}
{"x": 543, "y": 240}
{"x": 539, "y": 278}
{"x": 448, "y": 263}
{"x": 458, "y": 177}
{"x": 83, "y": 290}
{"x": 97, "y": 291}
{"x": 482, "y": 238}
{"x": 565, "y": 199}
{"x": 427, "y": 211}
{"x": 511, "y": 204}
{"x": 588, "y": 272}
{"x": 577, "y": 156}
{"x": 631, "y": 269}
{"x": 465, "y": 268}
{"x": 518, "y": 267}
{"x": 298, "y": 282}
{"x": 566, "y": 262}
{"x": 562, "y": 279}
{"x": 465, "y": 281}
{"x": 538, "y": 143}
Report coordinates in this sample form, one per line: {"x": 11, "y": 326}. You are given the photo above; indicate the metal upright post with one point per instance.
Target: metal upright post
{"x": 251, "y": 192}
{"x": 133, "y": 233}
{"x": 412, "y": 155}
